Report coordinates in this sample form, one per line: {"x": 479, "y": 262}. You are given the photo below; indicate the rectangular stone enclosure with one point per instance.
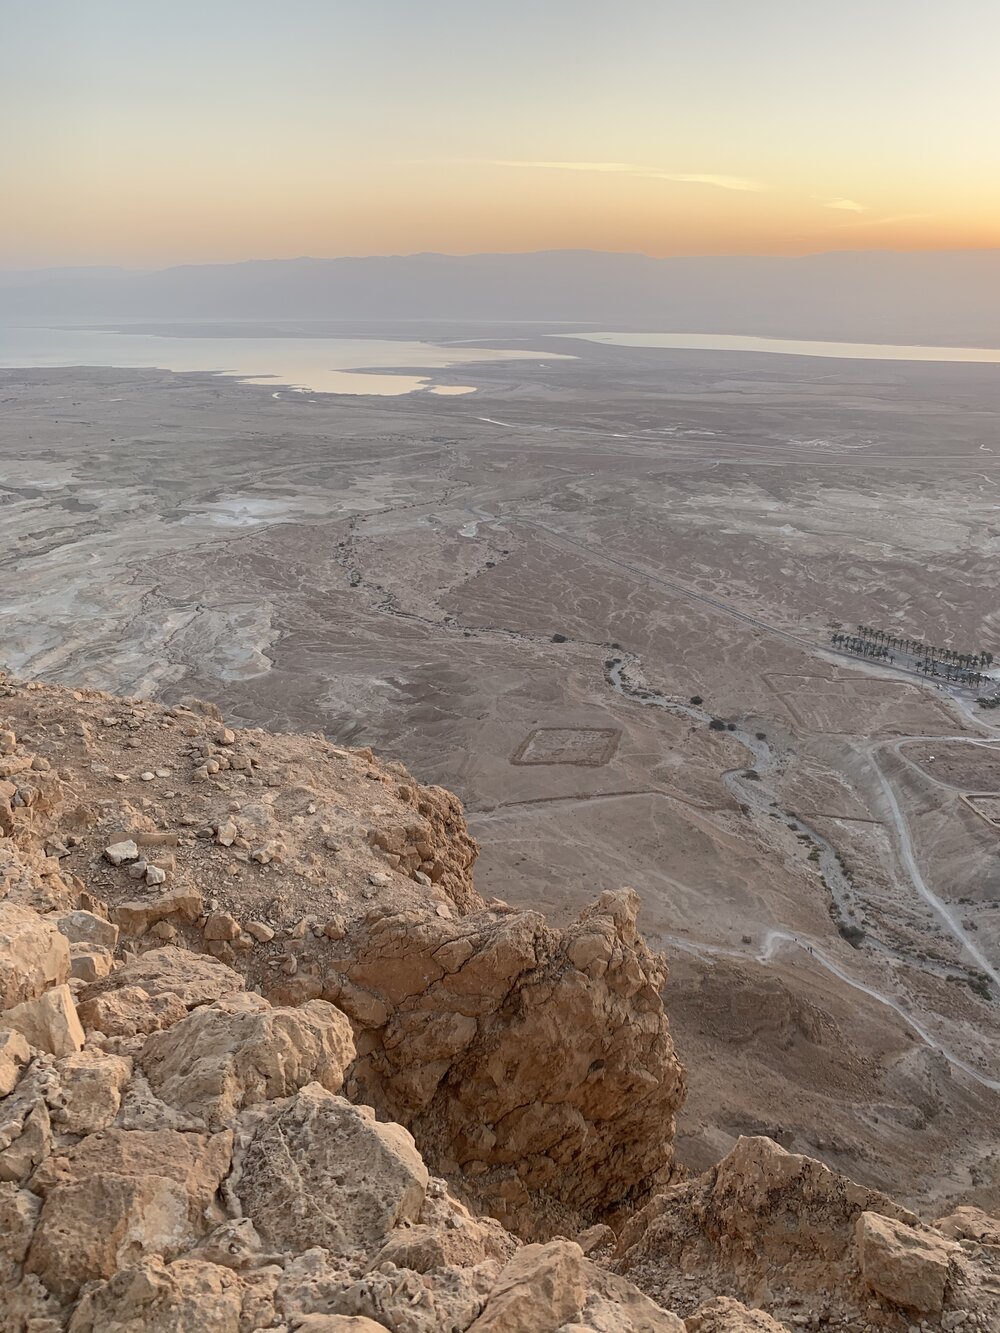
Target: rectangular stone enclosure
{"x": 589, "y": 746}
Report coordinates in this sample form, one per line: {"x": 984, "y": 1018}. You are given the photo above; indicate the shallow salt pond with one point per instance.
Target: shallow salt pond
{"x": 313, "y": 365}
{"x": 848, "y": 351}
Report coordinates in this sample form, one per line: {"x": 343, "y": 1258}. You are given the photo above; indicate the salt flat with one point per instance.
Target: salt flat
{"x": 451, "y": 579}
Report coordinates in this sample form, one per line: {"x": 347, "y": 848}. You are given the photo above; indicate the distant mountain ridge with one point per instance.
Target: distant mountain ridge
{"x": 939, "y": 296}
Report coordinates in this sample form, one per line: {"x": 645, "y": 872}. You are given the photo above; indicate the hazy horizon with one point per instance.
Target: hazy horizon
{"x": 901, "y": 298}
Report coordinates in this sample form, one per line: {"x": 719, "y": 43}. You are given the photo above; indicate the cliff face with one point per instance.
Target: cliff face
{"x": 251, "y": 1001}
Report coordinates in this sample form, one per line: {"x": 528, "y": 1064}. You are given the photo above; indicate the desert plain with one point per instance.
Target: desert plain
{"x": 542, "y": 595}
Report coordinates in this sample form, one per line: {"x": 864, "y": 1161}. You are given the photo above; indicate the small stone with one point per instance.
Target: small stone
{"x": 120, "y": 852}
{"x": 260, "y": 932}
{"x": 225, "y": 835}
{"x": 335, "y": 928}
{"x": 137, "y": 869}
{"x": 221, "y": 926}
{"x": 154, "y": 875}
{"x": 147, "y": 776}
{"x": 40, "y": 765}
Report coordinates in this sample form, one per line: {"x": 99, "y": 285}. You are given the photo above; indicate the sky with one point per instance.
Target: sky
{"x": 156, "y": 132}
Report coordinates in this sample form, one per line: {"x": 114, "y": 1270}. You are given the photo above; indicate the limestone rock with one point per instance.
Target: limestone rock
{"x": 186, "y": 1296}
{"x": 82, "y": 927}
{"x": 902, "y": 1264}
{"x": 239, "y": 1051}
{"x": 759, "y": 1206}
{"x": 120, "y": 852}
{"x": 89, "y": 962}
{"x": 724, "y": 1315}
{"x": 552, "y": 1288}
{"x": 129, "y": 1011}
{"x": 542, "y": 1288}
{"x": 137, "y": 916}
{"x": 193, "y": 978}
{"x": 446, "y": 1235}
{"x": 119, "y": 1196}
{"x": 25, "y": 1130}
{"x": 33, "y": 954}
{"x": 19, "y": 1211}
{"x": 497, "y": 1051}
{"x": 14, "y": 1055}
{"x": 221, "y": 926}
{"x": 337, "y": 1323}
{"x": 49, "y": 1023}
{"x": 226, "y": 834}
{"x": 92, "y": 1083}
{"x": 320, "y": 1171}
{"x": 967, "y": 1223}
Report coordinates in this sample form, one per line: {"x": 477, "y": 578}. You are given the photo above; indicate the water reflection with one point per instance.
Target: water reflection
{"x": 731, "y": 342}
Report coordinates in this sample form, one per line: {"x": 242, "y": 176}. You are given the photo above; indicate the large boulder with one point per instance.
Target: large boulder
{"x": 907, "y": 1266}
{"x": 129, "y": 1011}
{"x": 194, "y": 978}
{"x": 239, "y": 1051}
{"x": 724, "y": 1315}
{"x": 514, "y": 1049}
{"x": 33, "y": 954}
{"x": 186, "y": 1296}
{"x": 120, "y": 1196}
{"x": 81, "y": 927}
{"x": 320, "y": 1171}
{"x": 553, "y": 1288}
{"x": 14, "y": 1056}
{"x": 49, "y": 1022}
{"x": 542, "y": 1288}
{"x": 91, "y": 1085}
{"x": 969, "y": 1223}
{"x": 760, "y": 1209}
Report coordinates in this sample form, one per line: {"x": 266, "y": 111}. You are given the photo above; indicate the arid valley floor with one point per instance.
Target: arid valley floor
{"x": 518, "y": 592}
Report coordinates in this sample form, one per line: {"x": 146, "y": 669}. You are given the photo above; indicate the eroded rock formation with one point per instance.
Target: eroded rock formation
{"x": 267, "y": 1062}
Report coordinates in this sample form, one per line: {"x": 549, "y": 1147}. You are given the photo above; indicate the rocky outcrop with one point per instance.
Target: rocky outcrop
{"x": 33, "y": 955}
{"x": 250, "y": 1061}
{"x": 537, "y": 1063}
{"x": 770, "y": 1225}
{"x": 239, "y": 1051}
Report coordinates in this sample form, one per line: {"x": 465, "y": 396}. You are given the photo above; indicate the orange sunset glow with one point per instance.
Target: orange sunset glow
{"x": 660, "y": 128}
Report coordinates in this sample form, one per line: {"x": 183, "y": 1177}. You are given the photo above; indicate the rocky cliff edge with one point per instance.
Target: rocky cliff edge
{"x": 267, "y": 1061}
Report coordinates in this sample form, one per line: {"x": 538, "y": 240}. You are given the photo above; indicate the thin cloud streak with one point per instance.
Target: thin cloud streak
{"x": 887, "y": 221}
{"x": 719, "y": 182}
{"x": 847, "y": 205}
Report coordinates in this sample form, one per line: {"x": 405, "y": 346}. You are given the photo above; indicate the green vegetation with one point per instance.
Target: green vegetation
{"x": 963, "y": 668}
